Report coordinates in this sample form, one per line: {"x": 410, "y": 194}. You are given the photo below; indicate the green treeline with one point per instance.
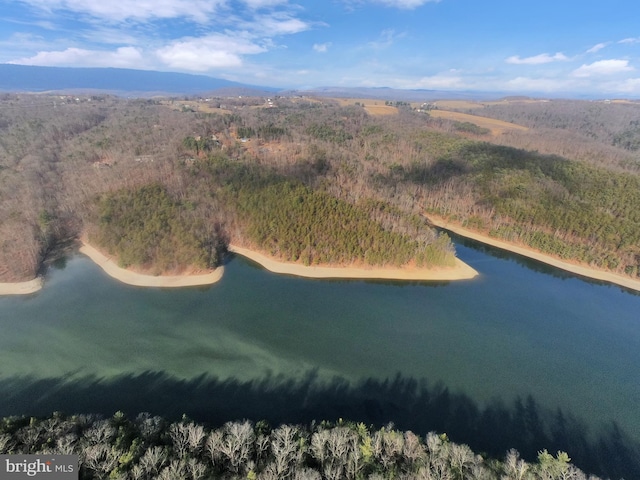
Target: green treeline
{"x": 295, "y": 223}
{"x": 151, "y": 447}
{"x": 147, "y": 227}
{"x": 569, "y": 209}
{"x": 469, "y": 127}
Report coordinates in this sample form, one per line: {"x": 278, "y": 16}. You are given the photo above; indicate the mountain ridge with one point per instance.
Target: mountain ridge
{"x": 27, "y": 78}
{"x": 16, "y": 78}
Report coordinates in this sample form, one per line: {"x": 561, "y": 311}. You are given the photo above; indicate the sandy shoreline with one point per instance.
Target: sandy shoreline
{"x": 21, "y": 288}
{"x": 541, "y": 257}
{"x": 140, "y": 280}
{"x": 461, "y": 271}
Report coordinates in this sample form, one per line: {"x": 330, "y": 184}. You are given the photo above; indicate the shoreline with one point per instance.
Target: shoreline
{"x": 141, "y": 280}
{"x": 581, "y": 270}
{"x": 461, "y": 271}
{"x": 21, "y": 288}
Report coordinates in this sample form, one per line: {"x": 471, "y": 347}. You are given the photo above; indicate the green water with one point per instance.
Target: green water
{"x": 517, "y": 330}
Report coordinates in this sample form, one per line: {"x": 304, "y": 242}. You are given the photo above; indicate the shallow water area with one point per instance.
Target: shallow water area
{"x": 240, "y": 346}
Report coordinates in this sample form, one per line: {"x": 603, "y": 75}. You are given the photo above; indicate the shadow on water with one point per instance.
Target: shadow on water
{"x": 529, "y": 263}
{"x": 409, "y": 403}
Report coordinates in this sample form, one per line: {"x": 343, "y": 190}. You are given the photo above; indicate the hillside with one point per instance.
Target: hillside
{"x": 267, "y": 174}
{"x": 23, "y": 78}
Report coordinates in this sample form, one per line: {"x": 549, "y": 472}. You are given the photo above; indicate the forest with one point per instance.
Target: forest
{"x": 166, "y": 184}
{"x": 152, "y": 447}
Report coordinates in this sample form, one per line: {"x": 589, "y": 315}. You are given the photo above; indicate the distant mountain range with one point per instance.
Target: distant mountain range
{"x": 393, "y": 94}
{"x": 121, "y": 81}
{"x": 146, "y": 83}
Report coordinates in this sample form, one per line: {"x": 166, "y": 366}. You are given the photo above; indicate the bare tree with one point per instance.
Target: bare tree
{"x": 514, "y": 467}
{"x": 153, "y": 460}
{"x": 99, "y": 432}
{"x": 6, "y": 443}
{"x": 100, "y": 458}
{"x": 237, "y": 444}
{"x": 286, "y": 451}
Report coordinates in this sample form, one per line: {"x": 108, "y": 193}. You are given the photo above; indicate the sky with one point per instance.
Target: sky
{"x": 586, "y": 47}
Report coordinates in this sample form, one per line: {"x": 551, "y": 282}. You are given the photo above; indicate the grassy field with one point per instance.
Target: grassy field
{"x": 371, "y": 105}
{"x": 497, "y": 127}
{"x": 471, "y": 105}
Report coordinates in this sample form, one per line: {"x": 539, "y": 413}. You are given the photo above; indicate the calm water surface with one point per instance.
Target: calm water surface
{"x": 514, "y": 331}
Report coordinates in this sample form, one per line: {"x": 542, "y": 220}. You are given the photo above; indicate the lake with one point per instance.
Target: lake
{"x": 524, "y": 355}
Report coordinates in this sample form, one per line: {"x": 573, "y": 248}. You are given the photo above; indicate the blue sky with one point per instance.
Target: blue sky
{"x": 561, "y": 46}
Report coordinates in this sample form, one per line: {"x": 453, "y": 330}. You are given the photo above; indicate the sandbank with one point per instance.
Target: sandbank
{"x": 21, "y": 288}
{"x": 142, "y": 280}
{"x": 536, "y": 255}
{"x": 461, "y": 271}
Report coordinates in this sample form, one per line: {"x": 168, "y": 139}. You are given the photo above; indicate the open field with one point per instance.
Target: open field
{"x": 372, "y": 106}
{"x": 195, "y": 106}
{"x": 381, "y": 110}
{"x": 497, "y": 127}
{"x": 470, "y": 104}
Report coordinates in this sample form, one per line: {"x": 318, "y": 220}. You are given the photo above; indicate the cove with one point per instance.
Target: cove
{"x": 524, "y": 355}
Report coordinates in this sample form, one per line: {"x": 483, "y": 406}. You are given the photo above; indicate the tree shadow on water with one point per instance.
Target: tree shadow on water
{"x": 408, "y": 403}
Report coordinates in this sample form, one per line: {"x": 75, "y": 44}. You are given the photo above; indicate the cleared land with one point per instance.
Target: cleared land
{"x": 469, "y": 104}
{"x": 497, "y": 127}
{"x": 371, "y": 106}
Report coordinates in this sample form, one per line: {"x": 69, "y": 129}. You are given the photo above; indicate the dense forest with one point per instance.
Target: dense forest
{"x": 311, "y": 181}
{"x": 151, "y": 447}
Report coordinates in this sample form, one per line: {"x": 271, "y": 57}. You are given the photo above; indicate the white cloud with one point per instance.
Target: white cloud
{"x": 405, "y": 4}
{"x": 256, "y": 4}
{"x": 205, "y": 53}
{"x": 603, "y": 67}
{"x": 630, "y": 40}
{"x": 440, "y": 82}
{"x": 537, "y": 59}
{"x": 121, "y": 10}
{"x": 597, "y": 47}
{"x": 277, "y": 24}
{"x": 321, "y": 47}
{"x": 112, "y": 36}
{"x": 123, "y": 57}
{"x": 386, "y": 39}
{"x": 630, "y": 85}
{"x": 526, "y": 84}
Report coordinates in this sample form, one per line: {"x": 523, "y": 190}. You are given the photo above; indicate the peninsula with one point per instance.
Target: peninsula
{"x": 141, "y": 280}
{"x": 21, "y": 288}
{"x": 461, "y": 271}
{"x": 528, "y": 252}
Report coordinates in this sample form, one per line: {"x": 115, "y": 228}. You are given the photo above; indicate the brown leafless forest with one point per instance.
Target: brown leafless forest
{"x": 568, "y": 186}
